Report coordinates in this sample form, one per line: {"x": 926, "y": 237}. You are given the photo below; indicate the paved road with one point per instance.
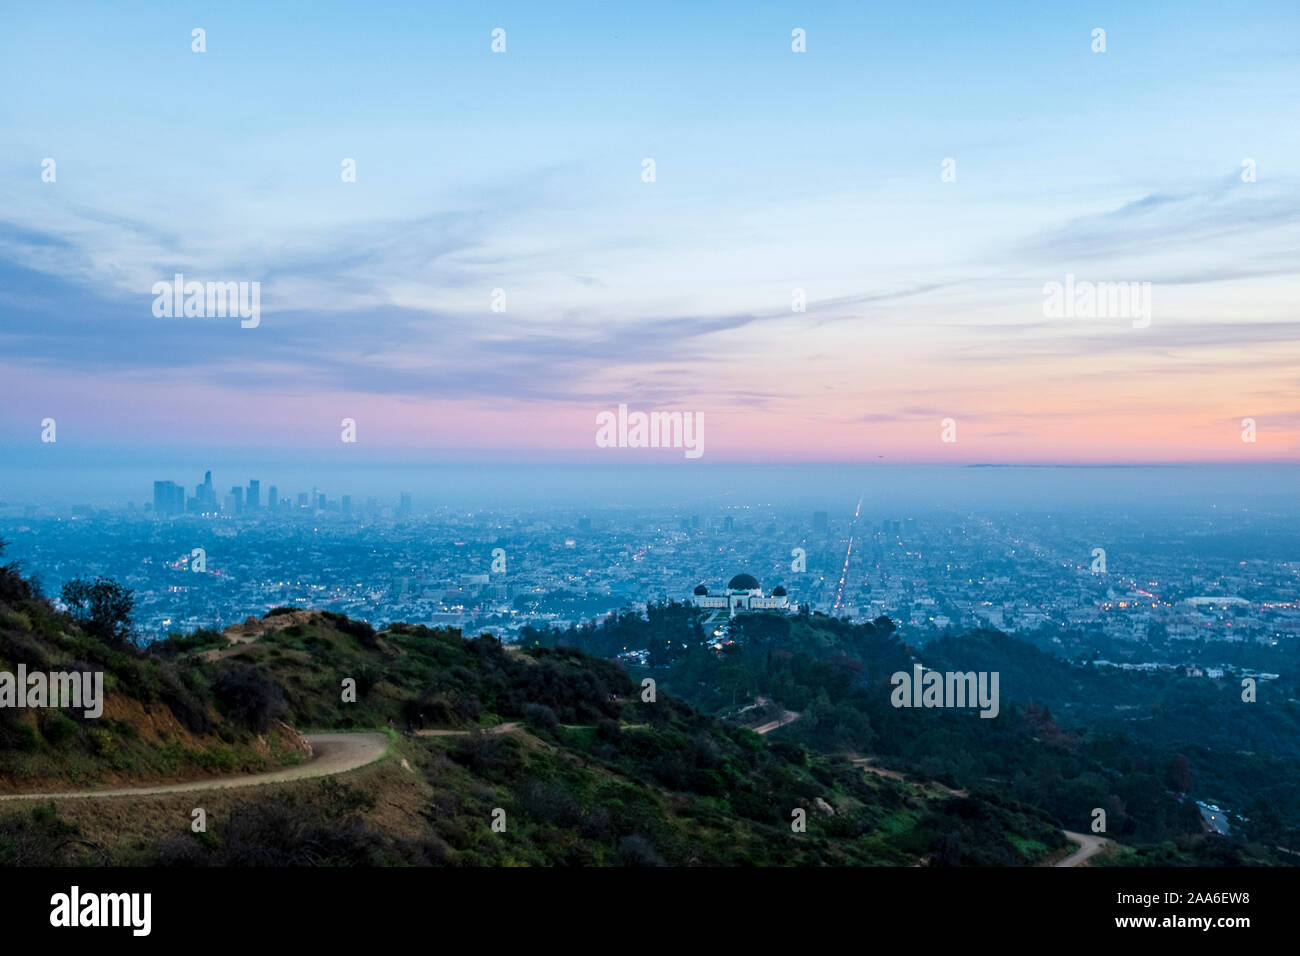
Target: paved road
{"x": 332, "y": 753}
{"x": 1091, "y": 846}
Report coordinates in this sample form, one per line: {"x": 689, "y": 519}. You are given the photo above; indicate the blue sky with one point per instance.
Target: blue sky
{"x": 775, "y": 170}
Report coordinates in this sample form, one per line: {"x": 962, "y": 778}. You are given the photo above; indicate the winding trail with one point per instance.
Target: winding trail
{"x": 788, "y": 717}
{"x": 498, "y": 729}
{"x": 331, "y": 754}
{"x": 1091, "y": 846}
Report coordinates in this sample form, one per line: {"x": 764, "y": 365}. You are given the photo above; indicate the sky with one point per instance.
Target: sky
{"x": 775, "y": 171}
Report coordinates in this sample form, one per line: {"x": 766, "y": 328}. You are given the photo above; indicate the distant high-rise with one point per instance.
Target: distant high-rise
{"x": 820, "y": 521}
{"x": 320, "y": 501}
{"x": 254, "y": 494}
{"x": 302, "y": 499}
{"x": 405, "y": 507}
{"x": 237, "y": 494}
{"x": 209, "y": 495}
{"x": 347, "y": 504}
{"x": 168, "y": 498}
{"x": 272, "y": 502}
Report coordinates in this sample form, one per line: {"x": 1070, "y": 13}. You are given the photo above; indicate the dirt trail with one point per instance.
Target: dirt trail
{"x": 868, "y": 764}
{"x": 332, "y": 753}
{"x": 498, "y": 729}
{"x": 1091, "y": 846}
{"x": 788, "y": 717}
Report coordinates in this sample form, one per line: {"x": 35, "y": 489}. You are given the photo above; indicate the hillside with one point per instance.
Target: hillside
{"x": 557, "y": 744}
{"x": 1068, "y": 739}
{"x": 161, "y": 720}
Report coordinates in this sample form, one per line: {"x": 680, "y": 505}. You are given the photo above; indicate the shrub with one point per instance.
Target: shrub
{"x": 57, "y": 727}
{"x": 540, "y": 716}
{"x": 185, "y": 703}
{"x": 637, "y": 850}
{"x": 15, "y": 733}
{"x": 361, "y": 630}
{"x": 249, "y": 699}
{"x": 103, "y": 742}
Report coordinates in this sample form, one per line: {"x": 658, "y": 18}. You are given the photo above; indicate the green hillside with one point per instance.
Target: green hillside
{"x": 161, "y": 720}
{"x": 558, "y": 744}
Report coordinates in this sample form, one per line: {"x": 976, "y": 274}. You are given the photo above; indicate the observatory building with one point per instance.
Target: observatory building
{"x": 743, "y": 594}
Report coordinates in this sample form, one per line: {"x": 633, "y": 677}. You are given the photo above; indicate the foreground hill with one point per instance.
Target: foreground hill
{"x": 161, "y": 720}
{"x": 1069, "y": 738}
{"x": 536, "y": 756}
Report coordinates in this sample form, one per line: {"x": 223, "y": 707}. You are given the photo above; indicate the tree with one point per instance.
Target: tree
{"x": 101, "y": 608}
{"x": 13, "y": 586}
{"x": 1178, "y": 774}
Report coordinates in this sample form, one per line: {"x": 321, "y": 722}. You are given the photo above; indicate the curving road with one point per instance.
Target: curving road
{"x": 331, "y": 754}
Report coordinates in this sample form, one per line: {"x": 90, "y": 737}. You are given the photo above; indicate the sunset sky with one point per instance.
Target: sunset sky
{"x": 522, "y": 171}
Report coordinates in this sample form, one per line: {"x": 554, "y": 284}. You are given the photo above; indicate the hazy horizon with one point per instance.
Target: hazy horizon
{"x": 835, "y": 486}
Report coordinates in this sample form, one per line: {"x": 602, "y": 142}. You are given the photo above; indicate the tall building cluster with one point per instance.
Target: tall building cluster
{"x": 169, "y": 499}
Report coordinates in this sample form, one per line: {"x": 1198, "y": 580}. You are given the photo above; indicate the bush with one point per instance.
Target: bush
{"x": 174, "y": 645}
{"x": 185, "y": 703}
{"x": 540, "y": 716}
{"x": 35, "y": 838}
{"x": 57, "y": 727}
{"x": 104, "y": 744}
{"x": 637, "y": 850}
{"x": 363, "y": 632}
{"x": 15, "y": 734}
{"x": 323, "y": 829}
{"x": 249, "y": 699}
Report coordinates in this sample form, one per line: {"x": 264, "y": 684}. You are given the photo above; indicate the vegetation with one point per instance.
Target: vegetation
{"x": 102, "y": 608}
{"x": 162, "y": 717}
{"x": 583, "y": 765}
{"x": 1122, "y": 747}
